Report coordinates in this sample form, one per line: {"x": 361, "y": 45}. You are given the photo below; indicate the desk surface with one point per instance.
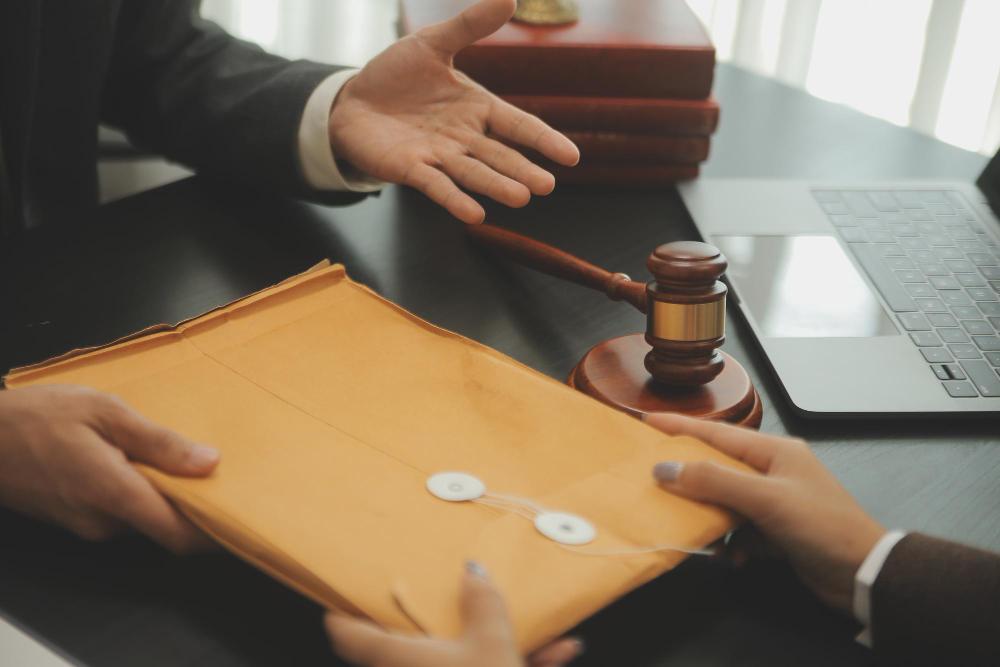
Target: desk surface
{"x": 180, "y": 250}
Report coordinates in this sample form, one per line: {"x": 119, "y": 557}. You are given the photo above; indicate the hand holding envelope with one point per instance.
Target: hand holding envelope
{"x": 332, "y": 407}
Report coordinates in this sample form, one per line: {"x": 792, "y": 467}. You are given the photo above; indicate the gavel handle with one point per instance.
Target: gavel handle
{"x": 547, "y": 259}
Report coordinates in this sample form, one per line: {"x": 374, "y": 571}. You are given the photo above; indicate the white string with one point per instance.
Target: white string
{"x": 524, "y": 508}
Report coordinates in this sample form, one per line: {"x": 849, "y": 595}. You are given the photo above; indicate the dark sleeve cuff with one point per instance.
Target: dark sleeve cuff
{"x": 937, "y": 603}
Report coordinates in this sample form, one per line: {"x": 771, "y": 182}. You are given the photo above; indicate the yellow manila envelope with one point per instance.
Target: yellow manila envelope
{"x": 332, "y": 407}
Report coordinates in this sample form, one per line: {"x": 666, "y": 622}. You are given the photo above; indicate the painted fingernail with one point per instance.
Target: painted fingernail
{"x": 668, "y": 471}
{"x": 581, "y": 646}
{"x": 200, "y": 456}
{"x": 476, "y": 570}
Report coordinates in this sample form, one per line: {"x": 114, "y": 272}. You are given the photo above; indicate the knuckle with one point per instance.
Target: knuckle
{"x": 92, "y": 529}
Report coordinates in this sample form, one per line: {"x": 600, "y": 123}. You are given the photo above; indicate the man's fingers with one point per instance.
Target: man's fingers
{"x": 445, "y": 193}
{"x": 510, "y": 123}
{"x": 476, "y": 176}
{"x": 755, "y": 449}
{"x": 131, "y": 497}
{"x": 484, "y": 614}
{"x": 749, "y": 494}
{"x": 146, "y": 442}
{"x": 479, "y": 21}
{"x": 556, "y": 654}
{"x": 509, "y": 162}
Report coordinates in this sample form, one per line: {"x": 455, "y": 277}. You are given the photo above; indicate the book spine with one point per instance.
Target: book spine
{"x": 632, "y": 115}
{"x": 616, "y": 147}
{"x": 597, "y": 71}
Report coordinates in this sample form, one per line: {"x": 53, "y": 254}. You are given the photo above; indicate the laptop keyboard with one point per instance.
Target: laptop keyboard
{"x": 938, "y": 269}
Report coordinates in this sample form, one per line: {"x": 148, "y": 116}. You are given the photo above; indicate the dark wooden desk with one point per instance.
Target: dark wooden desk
{"x": 183, "y": 249}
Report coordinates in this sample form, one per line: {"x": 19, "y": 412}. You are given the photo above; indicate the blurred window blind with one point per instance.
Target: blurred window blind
{"x": 933, "y": 65}
{"x": 929, "y": 64}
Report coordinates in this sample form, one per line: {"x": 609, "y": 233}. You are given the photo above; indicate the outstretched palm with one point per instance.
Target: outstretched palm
{"x": 409, "y": 117}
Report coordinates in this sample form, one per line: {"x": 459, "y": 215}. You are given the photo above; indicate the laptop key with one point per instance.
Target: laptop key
{"x": 985, "y": 343}
{"x": 931, "y": 305}
{"x": 982, "y": 259}
{"x": 977, "y": 327}
{"x": 835, "y": 208}
{"x": 982, "y": 294}
{"x": 914, "y": 244}
{"x": 876, "y": 236}
{"x": 934, "y": 269}
{"x": 960, "y": 265}
{"x": 990, "y": 272}
{"x": 941, "y": 372}
{"x": 942, "y": 320}
{"x": 936, "y": 355}
{"x": 908, "y": 198}
{"x": 956, "y": 298}
{"x": 891, "y": 290}
{"x": 892, "y": 250}
{"x": 952, "y": 335}
{"x": 983, "y": 377}
{"x": 988, "y": 308}
{"x": 970, "y": 280}
{"x": 914, "y": 322}
{"x": 918, "y": 214}
{"x": 955, "y": 371}
{"x": 960, "y": 389}
{"x": 920, "y": 289}
{"x": 995, "y": 321}
{"x": 927, "y": 227}
{"x": 843, "y": 220}
{"x": 904, "y": 229}
{"x": 883, "y": 201}
{"x": 913, "y": 276}
{"x": 939, "y": 240}
{"x": 948, "y": 253}
{"x": 925, "y": 339}
{"x": 859, "y": 204}
{"x": 962, "y": 351}
{"x": 966, "y": 312}
{"x": 993, "y": 358}
{"x": 944, "y": 282}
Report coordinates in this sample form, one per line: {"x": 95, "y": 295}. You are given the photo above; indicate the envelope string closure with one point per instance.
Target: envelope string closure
{"x": 569, "y": 531}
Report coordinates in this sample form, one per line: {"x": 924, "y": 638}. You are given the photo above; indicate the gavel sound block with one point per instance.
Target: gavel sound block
{"x": 676, "y": 366}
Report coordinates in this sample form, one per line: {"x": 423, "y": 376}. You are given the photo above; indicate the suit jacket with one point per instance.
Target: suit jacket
{"x": 176, "y": 84}
{"x": 937, "y": 603}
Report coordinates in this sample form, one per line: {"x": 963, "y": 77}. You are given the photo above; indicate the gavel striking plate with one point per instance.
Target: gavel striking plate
{"x": 676, "y": 366}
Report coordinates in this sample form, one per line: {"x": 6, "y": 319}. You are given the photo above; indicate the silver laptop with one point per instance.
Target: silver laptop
{"x": 873, "y": 299}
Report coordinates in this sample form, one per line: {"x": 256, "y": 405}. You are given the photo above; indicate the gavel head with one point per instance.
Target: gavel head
{"x": 685, "y": 313}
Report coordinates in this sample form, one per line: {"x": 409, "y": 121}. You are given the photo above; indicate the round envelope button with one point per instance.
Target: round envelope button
{"x": 455, "y": 486}
{"x": 565, "y": 528}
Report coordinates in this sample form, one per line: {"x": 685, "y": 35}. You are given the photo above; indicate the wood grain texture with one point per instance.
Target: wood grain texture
{"x": 613, "y": 372}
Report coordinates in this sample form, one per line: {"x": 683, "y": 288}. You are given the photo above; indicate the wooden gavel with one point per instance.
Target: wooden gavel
{"x": 685, "y": 307}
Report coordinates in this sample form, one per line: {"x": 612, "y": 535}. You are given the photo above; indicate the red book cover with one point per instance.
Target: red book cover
{"x": 623, "y": 114}
{"x": 615, "y": 147}
{"x": 618, "y": 48}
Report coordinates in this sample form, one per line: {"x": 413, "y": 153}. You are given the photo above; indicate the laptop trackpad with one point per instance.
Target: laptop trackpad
{"x": 803, "y": 287}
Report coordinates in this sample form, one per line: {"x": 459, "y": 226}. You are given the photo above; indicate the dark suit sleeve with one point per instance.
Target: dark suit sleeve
{"x": 937, "y": 603}
{"x": 181, "y": 86}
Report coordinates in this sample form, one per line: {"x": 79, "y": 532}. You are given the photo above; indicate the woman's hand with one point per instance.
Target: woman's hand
{"x": 64, "y": 458}
{"x": 410, "y": 117}
{"x": 488, "y": 640}
{"x": 795, "y": 502}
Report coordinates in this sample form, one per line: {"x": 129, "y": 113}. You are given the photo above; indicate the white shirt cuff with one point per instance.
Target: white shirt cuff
{"x": 319, "y": 165}
{"x": 865, "y": 578}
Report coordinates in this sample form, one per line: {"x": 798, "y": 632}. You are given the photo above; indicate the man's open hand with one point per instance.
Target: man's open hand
{"x": 409, "y": 117}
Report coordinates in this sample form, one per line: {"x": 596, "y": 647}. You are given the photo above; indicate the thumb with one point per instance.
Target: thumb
{"x": 478, "y": 21}
{"x": 146, "y": 442}
{"x": 749, "y": 494}
{"x": 484, "y": 615}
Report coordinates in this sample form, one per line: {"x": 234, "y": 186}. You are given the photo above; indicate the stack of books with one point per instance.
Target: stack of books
{"x": 630, "y": 83}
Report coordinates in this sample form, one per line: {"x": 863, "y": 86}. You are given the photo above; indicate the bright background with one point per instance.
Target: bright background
{"x": 929, "y": 64}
